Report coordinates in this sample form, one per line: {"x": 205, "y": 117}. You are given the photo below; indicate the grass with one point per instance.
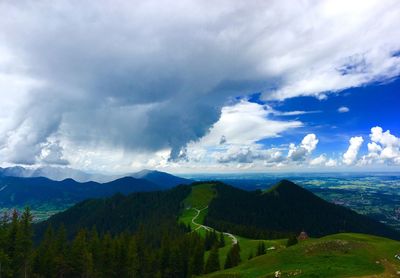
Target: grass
{"x": 341, "y": 255}
{"x": 199, "y": 198}
{"x": 247, "y": 247}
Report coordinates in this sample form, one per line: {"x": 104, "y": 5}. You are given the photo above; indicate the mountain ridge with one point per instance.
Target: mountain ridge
{"x": 286, "y": 207}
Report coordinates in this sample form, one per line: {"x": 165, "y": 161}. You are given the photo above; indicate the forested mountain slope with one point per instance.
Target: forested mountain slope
{"x": 121, "y": 213}
{"x": 285, "y": 208}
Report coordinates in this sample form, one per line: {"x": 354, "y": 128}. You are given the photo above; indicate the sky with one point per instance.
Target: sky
{"x": 200, "y": 86}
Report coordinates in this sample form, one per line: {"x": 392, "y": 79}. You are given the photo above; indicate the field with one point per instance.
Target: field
{"x": 341, "y": 255}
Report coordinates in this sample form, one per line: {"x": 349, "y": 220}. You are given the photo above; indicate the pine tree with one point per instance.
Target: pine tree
{"x": 133, "y": 259}
{"x": 212, "y": 263}
{"x": 44, "y": 262}
{"x": 261, "y": 249}
{"x": 95, "y": 249}
{"x": 12, "y": 252}
{"x": 108, "y": 260}
{"x": 81, "y": 260}
{"x": 62, "y": 250}
{"x": 197, "y": 259}
{"x": 292, "y": 240}
{"x": 176, "y": 263}
{"x": 221, "y": 240}
{"x": 233, "y": 257}
{"x": 24, "y": 241}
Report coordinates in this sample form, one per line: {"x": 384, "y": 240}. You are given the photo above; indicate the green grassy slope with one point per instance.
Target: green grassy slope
{"x": 200, "y": 197}
{"x": 340, "y": 255}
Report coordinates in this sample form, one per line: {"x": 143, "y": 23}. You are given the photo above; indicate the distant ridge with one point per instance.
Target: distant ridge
{"x": 162, "y": 179}
{"x": 36, "y": 191}
{"x": 57, "y": 173}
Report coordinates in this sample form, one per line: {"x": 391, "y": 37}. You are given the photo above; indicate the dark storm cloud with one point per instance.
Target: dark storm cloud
{"x": 150, "y": 75}
{"x": 124, "y": 75}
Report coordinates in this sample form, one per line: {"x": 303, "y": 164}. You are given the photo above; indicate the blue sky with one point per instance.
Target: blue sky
{"x": 369, "y": 106}
{"x": 197, "y": 86}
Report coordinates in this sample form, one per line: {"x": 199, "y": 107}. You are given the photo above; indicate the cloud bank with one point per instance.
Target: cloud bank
{"x": 149, "y": 78}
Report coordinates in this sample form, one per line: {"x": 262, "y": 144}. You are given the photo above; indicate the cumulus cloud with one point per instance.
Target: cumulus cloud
{"x": 319, "y": 160}
{"x": 384, "y": 148}
{"x": 145, "y": 77}
{"x": 343, "y": 109}
{"x": 307, "y": 146}
{"x": 350, "y": 156}
{"x": 331, "y": 163}
{"x": 245, "y": 123}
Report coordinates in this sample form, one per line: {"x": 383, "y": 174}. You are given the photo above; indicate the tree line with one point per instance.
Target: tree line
{"x": 172, "y": 252}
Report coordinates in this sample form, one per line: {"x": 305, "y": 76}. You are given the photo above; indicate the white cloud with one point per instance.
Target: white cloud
{"x": 307, "y": 146}
{"x": 160, "y": 77}
{"x": 331, "y": 163}
{"x": 319, "y": 160}
{"x": 384, "y": 148}
{"x": 350, "y": 156}
{"x": 343, "y": 109}
{"x": 245, "y": 123}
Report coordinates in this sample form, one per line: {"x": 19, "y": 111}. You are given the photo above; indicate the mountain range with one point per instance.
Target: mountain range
{"x": 61, "y": 173}
{"x": 17, "y": 190}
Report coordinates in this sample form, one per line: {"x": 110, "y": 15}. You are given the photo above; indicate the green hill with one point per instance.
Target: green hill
{"x": 286, "y": 208}
{"x": 340, "y": 255}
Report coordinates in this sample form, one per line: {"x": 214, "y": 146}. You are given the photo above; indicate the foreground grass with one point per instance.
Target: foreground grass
{"x": 341, "y": 255}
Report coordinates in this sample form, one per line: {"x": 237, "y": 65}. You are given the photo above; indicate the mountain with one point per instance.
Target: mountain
{"x": 59, "y": 173}
{"x": 162, "y": 179}
{"x": 121, "y": 213}
{"x": 283, "y": 210}
{"x": 55, "y": 173}
{"x": 16, "y": 191}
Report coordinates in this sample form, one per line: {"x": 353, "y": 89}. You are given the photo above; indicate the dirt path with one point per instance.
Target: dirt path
{"x": 199, "y": 226}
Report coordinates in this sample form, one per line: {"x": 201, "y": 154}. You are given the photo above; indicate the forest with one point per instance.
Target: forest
{"x": 154, "y": 250}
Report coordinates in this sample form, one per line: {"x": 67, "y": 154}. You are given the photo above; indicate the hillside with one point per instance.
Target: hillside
{"x": 120, "y": 213}
{"x": 285, "y": 208}
{"x": 340, "y": 255}
{"x": 16, "y": 191}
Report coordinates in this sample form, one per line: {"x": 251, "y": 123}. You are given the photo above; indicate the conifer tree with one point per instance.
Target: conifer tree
{"x": 212, "y": 263}
{"x": 233, "y": 257}
{"x": 221, "y": 240}
{"x": 80, "y": 258}
{"x": 44, "y": 262}
{"x": 261, "y": 249}
{"x": 197, "y": 259}
{"x": 62, "y": 250}
{"x": 292, "y": 240}
{"x": 133, "y": 259}
{"x": 24, "y": 241}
